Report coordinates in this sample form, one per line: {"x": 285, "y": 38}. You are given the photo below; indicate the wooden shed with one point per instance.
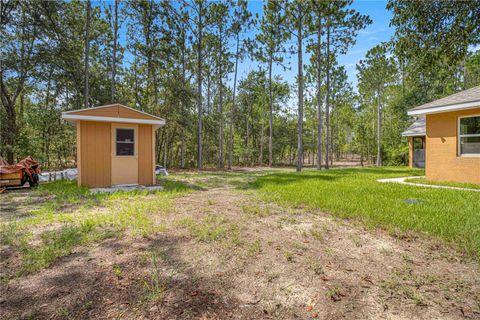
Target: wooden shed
{"x": 115, "y": 145}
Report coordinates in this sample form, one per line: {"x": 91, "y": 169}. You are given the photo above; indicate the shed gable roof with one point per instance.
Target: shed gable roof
{"x": 113, "y": 113}
{"x": 465, "y": 99}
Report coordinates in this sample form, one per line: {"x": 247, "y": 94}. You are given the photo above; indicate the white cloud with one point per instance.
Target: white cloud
{"x": 369, "y": 31}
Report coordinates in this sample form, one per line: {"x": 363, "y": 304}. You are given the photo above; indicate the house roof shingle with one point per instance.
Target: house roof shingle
{"x": 417, "y": 129}
{"x": 460, "y": 100}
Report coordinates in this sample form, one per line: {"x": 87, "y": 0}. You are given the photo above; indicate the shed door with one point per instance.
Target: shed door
{"x": 124, "y": 154}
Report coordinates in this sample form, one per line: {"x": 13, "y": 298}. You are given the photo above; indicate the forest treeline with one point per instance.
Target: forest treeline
{"x": 180, "y": 60}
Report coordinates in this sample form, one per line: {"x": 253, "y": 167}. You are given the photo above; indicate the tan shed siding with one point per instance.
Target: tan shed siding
{"x": 79, "y": 154}
{"x": 95, "y": 149}
{"x": 442, "y": 160}
{"x": 154, "y": 143}
{"x": 117, "y": 111}
{"x": 145, "y": 155}
{"x": 127, "y": 113}
{"x": 101, "y": 112}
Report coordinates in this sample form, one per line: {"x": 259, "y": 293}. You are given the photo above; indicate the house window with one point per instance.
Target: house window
{"x": 469, "y": 135}
{"x": 125, "y": 142}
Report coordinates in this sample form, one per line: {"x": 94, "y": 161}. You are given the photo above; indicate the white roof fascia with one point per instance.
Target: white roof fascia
{"x": 414, "y": 135}
{"x": 67, "y": 117}
{"x": 112, "y": 105}
{"x": 452, "y": 107}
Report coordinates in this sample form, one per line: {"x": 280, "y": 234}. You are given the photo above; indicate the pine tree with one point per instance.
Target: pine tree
{"x": 219, "y": 17}
{"x": 270, "y": 49}
{"x": 115, "y": 28}
{"x": 87, "y": 52}
{"x": 298, "y": 22}
{"x": 342, "y": 26}
{"x": 375, "y": 72}
{"x": 242, "y": 21}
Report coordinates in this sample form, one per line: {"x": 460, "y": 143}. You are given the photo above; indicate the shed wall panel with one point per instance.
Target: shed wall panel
{"x": 443, "y": 163}
{"x": 116, "y": 111}
{"x": 101, "y": 112}
{"x": 127, "y": 113}
{"x": 95, "y": 150}
{"x": 79, "y": 153}
{"x": 145, "y": 155}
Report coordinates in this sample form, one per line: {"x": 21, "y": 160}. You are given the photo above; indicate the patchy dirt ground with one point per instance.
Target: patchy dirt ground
{"x": 226, "y": 254}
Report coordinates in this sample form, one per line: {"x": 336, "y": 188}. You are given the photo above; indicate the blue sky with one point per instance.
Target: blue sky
{"x": 375, "y": 33}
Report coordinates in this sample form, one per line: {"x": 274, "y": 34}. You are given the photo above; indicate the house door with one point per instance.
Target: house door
{"x": 419, "y": 152}
{"x": 125, "y": 154}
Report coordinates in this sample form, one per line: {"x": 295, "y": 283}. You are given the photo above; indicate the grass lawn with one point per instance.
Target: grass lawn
{"x": 450, "y": 215}
{"x": 79, "y": 217}
{"x": 73, "y": 216}
{"x": 249, "y": 244}
{"x": 444, "y": 183}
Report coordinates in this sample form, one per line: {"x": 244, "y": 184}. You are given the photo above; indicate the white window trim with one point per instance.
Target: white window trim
{"x": 133, "y": 142}
{"x": 459, "y": 136}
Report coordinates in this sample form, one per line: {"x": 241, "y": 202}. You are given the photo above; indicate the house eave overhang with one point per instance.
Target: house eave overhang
{"x": 72, "y": 118}
{"x": 413, "y": 134}
{"x": 446, "y": 108}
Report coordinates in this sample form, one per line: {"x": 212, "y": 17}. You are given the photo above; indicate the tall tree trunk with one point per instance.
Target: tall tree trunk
{"x": 270, "y": 116}
{"x": 10, "y": 131}
{"x": 374, "y": 135}
{"x": 9, "y": 128}
{"x": 232, "y": 114}
{"x": 327, "y": 101}
{"x": 220, "y": 100}
{"x": 46, "y": 127}
{"x": 182, "y": 152}
{"x": 165, "y": 151}
{"x": 260, "y": 157}
{"x": 332, "y": 133}
{"x": 300, "y": 90}
{"x": 114, "y": 53}
{"x": 87, "y": 54}
{"x": 182, "y": 101}
{"x": 158, "y": 145}
{"x": 209, "y": 108}
{"x": 379, "y": 145}
{"x": 319, "y": 94}
{"x": 199, "y": 89}
{"x": 402, "y": 70}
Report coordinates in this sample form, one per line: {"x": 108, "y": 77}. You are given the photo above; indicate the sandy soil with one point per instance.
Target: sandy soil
{"x": 228, "y": 255}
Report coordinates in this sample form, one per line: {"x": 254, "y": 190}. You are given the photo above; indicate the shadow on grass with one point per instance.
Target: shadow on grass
{"x": 65, "y": 196}
{"x": 175, "y": 185}
{"x": 162, "y": 285}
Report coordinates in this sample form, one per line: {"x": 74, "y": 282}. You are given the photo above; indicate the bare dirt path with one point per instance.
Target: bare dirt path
{"x": 226, "y": 254}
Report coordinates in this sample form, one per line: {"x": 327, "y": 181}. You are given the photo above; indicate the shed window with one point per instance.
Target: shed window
{"x": 469, "y": 136}
{"x": 125, "y": 141}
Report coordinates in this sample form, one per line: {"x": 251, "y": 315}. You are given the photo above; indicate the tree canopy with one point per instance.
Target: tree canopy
{"x": 180, "y": 60}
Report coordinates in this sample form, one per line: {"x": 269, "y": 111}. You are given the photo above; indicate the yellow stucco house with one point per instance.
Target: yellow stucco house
{"x": 445, "y": 138}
